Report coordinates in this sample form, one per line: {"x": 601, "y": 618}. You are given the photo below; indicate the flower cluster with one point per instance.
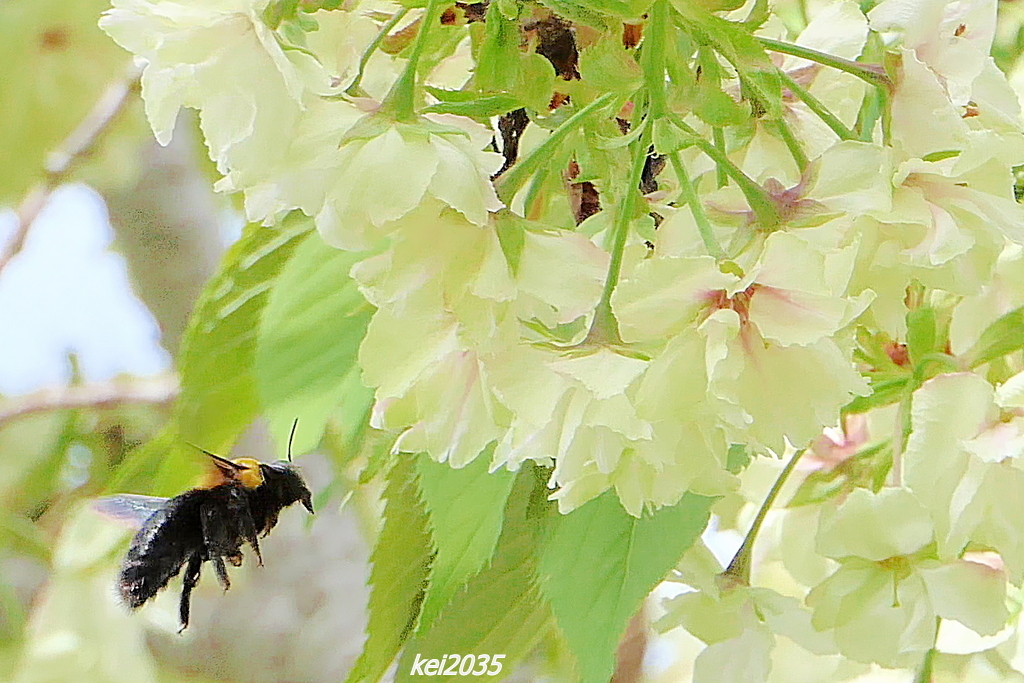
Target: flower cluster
{"x": 681, "y": 253}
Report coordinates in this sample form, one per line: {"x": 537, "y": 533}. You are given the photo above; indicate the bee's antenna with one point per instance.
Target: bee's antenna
{"x": 219, "y": 459}
{"x": 291, "y": 437}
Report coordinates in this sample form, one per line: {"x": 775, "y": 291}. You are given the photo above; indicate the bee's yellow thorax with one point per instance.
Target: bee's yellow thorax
{"x": 252, "y": 475}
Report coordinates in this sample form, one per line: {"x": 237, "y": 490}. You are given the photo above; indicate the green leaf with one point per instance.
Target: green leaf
{"x": 480, "y": 107}
{"x": 305, "y": 361}
{"x": 738, "y": 458}
{"x": 511, "y": 230}
{"x": 401, "y": 568}
{"x": 219, "y": 397}
{"x": 598, "y": 563}
{"x": 865, "y": 469}
{"x": 466, "y": 508}
{"x": 886, "y": 389}
{"x": 607, "y": 62}
{"x": 736, "y": 43}
{"x": 501, "y": 610}
{"x": 535, "y": 83}
{"x": 599, "y": 13}
{"x": 497, "y": 64}
{"x": 1004, "y": 336}
{"x": 922, "y": 333}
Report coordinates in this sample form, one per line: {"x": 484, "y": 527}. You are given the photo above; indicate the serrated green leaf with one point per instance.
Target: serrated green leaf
{"x": 500, "y": 610}
{"x": 1004, "y": 336}
{"x": 466, "y": 508}
{"x": 598, "y": 563}
{"x": 309, "y": 336}
{"x": 607, "y": 62}
{"x": 479, "y": 108}
{"x": 219, "y": 396}
{"x": 401, "y": 569}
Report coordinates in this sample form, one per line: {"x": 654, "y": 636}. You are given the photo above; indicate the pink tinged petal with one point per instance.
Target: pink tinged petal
{"x": 1000, "y": 441}
{"x": 969, "y": 592}
{"x": 564, "y": 270}
{"x": 945, "y": 412}
{"x": 944, "y": 240}
{"x": 791, "y": 317}
{"x": 662, "y": 295}
{"x": 466, "y": 426}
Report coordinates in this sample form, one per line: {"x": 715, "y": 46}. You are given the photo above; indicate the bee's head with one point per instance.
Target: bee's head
{"x": 282, "y": 480}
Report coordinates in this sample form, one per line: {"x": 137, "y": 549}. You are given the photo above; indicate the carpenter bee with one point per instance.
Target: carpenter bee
{"x": 239, "y": 502}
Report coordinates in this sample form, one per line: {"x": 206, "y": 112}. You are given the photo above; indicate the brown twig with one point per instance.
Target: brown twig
{"x": 154, "y": 390}
{"x": 63, "y": 159}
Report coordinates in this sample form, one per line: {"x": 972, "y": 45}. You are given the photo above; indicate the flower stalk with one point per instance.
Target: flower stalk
{"x": 739, "y": 569}
{"x": 401, "y": 99}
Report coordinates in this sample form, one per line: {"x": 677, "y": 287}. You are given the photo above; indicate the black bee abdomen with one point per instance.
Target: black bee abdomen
{"x": 160, "y": 548}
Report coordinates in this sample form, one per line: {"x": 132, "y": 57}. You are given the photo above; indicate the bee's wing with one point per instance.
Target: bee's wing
{"x": 129, "y": 507}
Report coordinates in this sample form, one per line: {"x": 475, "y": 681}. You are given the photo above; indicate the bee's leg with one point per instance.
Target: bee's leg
{"x": 195, "y": 565}
{"x": 254, "y": 542}
{"x": 222, "y": 571}
{"x": 249, "y": 532}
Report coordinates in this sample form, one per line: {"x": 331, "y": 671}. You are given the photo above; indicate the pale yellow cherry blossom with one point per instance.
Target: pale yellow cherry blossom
{"x": 386, "y": 168}
{"x": 220, "y": 58}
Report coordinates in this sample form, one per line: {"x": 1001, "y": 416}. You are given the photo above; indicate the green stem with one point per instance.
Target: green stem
{"x": 653, "y": 59}
{"x": 792, "y": 144}
{"x": 353, "y": 89}
{"x": 739, "y": 568}
{"x": 718, "y": 137}
{"x": 509, "y": 182}
{"x": 760, "y": 202}
{"x": 605, "y": 328}
{"x": 815, "y": 105}
{"x": 401, "y": 99}
{"x": 902, "y": 432}
{"x": 688, "y": 194}
{"x": 872, "y": 74}
{"x": 924, "y": 674}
